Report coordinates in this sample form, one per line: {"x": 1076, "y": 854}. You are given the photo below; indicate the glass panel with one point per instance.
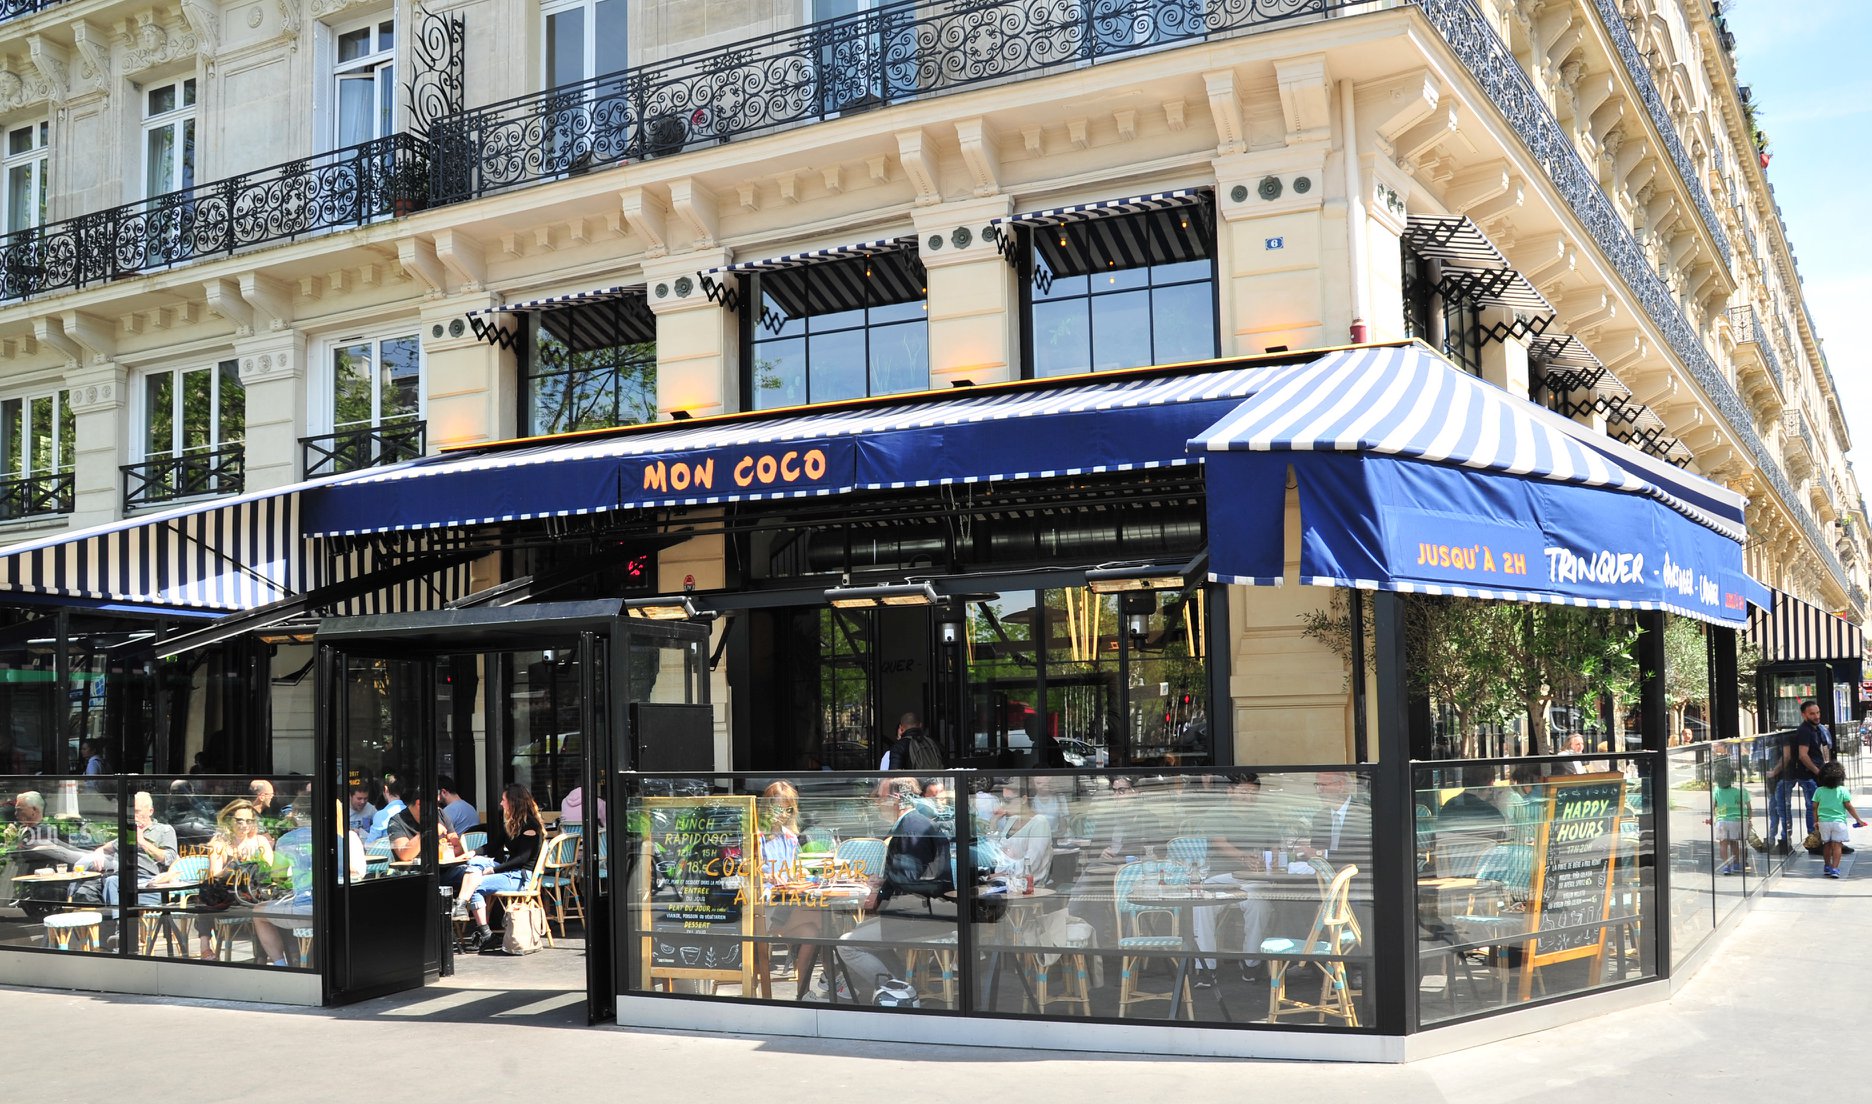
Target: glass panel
{"x": 779, "y": 373}
{"x": 353, "y": 45}
{"x": 838, "y": 366}
{"x": 357, "y": 96}
{"x": 58, "y": 839}
{"x": 197, "y": 409}
{"x": 899, "y": 358}
{"x": 188, "y": 92}
{"x": 565, "y": 47}
{"x": 1170, "y": 685}
{"x": 351, "y": 386}
{"x": 1121, "y": 335}
{"x": 1183, "y": 323}
{"x": 44, "y": 446}
{"x": 1534, "y": 881}
{"x": 544, "y": 722}
{"x": 1235, "y": 898}
{"x": 19, "y": 140}
{"x": 401, "y": 376}
{"x": 610, "y": 49}
{"x": 382, "y": 748}
{"x": 188, "y": 152}
{"x": 161, "y": 101}
{"x": 159, "y": 160}
{"x": 159, "y": 414}
{"x": 766, "y": 888}
{"x": 386, "y": 100}
{"x": 1082, "y": 679}
{"x": 1003, "y": 666}
{"x": 68, "y": 432}
{"x": 21, "y": 199}
{"x": 12, "y": 437}
{"x": 1062, "y": 339}
{"x": 232, "y": 414}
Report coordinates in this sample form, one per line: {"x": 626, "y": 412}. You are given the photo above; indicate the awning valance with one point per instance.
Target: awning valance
{"x": 1416, "y": 476}
{"x": 1473, "y": 268}
{"x": 826, "y": 281}
{"x": 598, "y": 319}
{"x": 1035, "y": 431}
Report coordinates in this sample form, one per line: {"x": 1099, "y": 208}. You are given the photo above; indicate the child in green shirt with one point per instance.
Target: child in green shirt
{"x": 1831, "y": 806}
{"x": 1730, "y": 812}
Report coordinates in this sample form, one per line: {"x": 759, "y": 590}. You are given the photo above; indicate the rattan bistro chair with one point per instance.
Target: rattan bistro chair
{"x": 559, "y": 880}
{"x": 1136, "y": 946}
{"x": 1335, "y": 936}
{"x": 532, "y": 893}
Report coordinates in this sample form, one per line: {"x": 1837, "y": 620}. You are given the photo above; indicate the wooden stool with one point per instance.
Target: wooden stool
{"x": 942, "y": 955}
{"x": 304, "y": 938}
{"x": 63, "y": 926}
{"x": 1075, "y": 986}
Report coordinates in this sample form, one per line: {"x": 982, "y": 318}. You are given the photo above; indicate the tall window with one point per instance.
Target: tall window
{"x": 365, "y": 69}
{"x": 1427, "y": 311}
{"x": 837, "y": 330}
{"x": 191, "y": 411}
{"x": 376, "y": 383}
{"x": 38, "y": 443}
{"x": 591, "y": 366}
{"x": 1121, "y": 291}
{"x": 169, "y": 137}
{"x": 584, "y": 38}
{"x": 23, "y": 176}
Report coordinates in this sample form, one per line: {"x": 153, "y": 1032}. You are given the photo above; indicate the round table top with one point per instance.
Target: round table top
{"x": 68, "y": 876}
{"x": 1040, "y": 893}
{"x": 1186, "y": 895}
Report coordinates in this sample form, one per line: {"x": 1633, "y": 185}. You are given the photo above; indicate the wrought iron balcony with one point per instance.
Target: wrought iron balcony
{"x": 36, "y": 495}
{"x": 899, "y": 51}
{"x": 350, "y": 450}
{"x": 19, "y": 9}
{"x": 346, "y": 187}
{"x": 1797, "y": 444}
{"x": 1747, "y": 327}
{"x": 193, "y": 474}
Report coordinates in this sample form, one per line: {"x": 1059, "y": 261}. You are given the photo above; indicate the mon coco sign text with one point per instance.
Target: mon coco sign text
{"x": 741, "y": 472}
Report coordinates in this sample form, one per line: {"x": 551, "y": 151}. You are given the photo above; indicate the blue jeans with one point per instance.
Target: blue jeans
{"x": 1781, "y": 817}
{"x": 510, "y": 882}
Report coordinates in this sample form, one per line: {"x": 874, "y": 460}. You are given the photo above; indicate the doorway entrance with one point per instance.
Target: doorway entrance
{"x": 545, "y": 701}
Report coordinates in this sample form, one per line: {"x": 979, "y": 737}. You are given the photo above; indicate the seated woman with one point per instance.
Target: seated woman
{"x": 237, "y": 840}
{"x": 275, "y": 918}
{"x": 508, "y": 864}
{"x": 780, "y": 852}
{"x": 1026, "y": 837}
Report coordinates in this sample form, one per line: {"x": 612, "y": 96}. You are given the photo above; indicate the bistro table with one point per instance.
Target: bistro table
{"x": 827, "y": 898}
{"x": 1020, "y": 917}
{"x": 165, "y": 912}
{"x": 69, "y": 879}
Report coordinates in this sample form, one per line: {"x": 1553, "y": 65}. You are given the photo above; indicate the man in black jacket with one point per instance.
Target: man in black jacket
{"x": 1809, "y": 749}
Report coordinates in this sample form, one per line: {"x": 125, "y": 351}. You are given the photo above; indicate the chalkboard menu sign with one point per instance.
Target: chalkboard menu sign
{"x": 1575, "y": 858}
{"x": 704, "y": 857}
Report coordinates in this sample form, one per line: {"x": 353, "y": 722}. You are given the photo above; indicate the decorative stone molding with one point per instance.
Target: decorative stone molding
{"x": 148, "y": 42}
{"x": 204, "y": 21}
{"x": 277, "y": 362}
{"x": 94, "y": 54}
{"x": 52, "y": 62}
{"x": 23, "y": 88}
{"x": 1277, "y": 181}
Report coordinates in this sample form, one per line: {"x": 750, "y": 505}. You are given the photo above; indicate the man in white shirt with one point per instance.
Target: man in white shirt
{"x": 393, "y": 804}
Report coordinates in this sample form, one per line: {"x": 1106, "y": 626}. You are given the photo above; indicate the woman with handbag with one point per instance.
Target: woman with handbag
{"x": 508, "y": 864}
{"x": 238, "y": 847}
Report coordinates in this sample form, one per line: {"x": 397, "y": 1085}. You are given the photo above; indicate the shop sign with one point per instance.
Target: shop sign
{"x": 741, "y": 471}
{"x": 695, "y": 903}
{"x": 1575, "y": 858}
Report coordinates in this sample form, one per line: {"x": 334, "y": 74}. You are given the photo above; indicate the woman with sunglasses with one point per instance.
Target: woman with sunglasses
{"x": 237, "y": 840}
{"x": 508, "y": 864}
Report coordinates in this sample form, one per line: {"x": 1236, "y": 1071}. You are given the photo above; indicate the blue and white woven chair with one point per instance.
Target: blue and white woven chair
{"x": 1136, "y": 944}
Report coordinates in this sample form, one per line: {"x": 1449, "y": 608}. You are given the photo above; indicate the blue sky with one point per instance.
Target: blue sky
{"x": 1809, "y": 65}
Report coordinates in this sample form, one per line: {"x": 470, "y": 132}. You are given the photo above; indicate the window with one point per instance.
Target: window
{"x": 591, "y": 366}
{"x": 1120, "y": 291}
{"x": 38, "y": 445}
{"x": 193, "y": 410}
{"x": 365, "y": 69}
{"x": 23, "y": 176}
{"x": 584, "y": 38}
{"x": 1427, "y": 310}
{"x": 839, "y": 329}
{"x": 375, "y": 392}
{"x": 169, "y": 137}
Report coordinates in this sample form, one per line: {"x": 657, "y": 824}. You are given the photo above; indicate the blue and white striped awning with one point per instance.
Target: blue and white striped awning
{"x": 1032, "y": 430}
{"x": 1131, "y": 205}
{"x": 583, "y": 320}
{"x": 814, "y": 256}
{"x": 569, "y": 299}
{"x": 212, "y": 557}
{"x": 1410, "y": 402}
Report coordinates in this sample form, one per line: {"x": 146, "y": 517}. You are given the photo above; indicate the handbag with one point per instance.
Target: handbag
{"x": 1812, "y": 842}
{"x": 1756, "y": 841}
{"x": 525, "y": 929}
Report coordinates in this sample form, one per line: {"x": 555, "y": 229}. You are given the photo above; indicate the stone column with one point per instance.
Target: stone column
{"x": 471, "y": 386}
{"x": 273, "y": 373}
{"x": 975, "y": 320}
{"x": 1271, "y": 267}
{"x": 698, "y": 338}
{"x": 99, "y": 397}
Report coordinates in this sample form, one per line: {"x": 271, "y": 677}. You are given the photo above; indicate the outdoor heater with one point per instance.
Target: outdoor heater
{"x": 671, "y": 607}
{"x": 893, "y": 594}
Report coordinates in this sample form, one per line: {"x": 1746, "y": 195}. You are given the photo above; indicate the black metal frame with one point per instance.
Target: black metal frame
{"x": 24, "y": 496}
{"x": 370, "y": 446}
{"x": 190, "y": 474}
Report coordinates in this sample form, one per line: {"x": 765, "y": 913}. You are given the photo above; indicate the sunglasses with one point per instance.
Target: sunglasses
{"x": 245, "y": 820}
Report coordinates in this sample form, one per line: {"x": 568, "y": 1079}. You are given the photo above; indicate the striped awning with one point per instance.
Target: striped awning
{"x": 598, "y": 319}
{"x": 225, "y": 555}
{"x": 1080, "y": 212}
{"x": 1034, "y": 430}
{"x": 1797, "y": 631}
{"x": 827, "y": 281}
{"x": 1473, "y": 269}
{"x": 1415, "y": 476}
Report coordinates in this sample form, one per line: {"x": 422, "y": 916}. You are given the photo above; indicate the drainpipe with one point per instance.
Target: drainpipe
{"x": 1355, "y": 214}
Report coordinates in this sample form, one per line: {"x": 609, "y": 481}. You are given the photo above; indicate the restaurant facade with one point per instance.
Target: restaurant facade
{"x": 1252, "y": 483}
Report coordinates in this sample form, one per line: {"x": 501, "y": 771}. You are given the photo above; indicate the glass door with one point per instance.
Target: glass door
{"x": 377, "y": 722}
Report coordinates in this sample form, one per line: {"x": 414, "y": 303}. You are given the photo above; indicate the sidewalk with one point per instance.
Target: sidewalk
{"x": 1795, "y": 967}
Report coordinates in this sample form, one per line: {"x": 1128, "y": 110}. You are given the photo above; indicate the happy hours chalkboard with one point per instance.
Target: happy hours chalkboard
{"x": 696, "y": 913}
{"x": 1574, "y": 860}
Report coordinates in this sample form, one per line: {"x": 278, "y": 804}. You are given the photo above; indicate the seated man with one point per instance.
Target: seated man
{"x": 155, "y": 853}
{"x": 1241, "y": 835}
{"x": 405, "y": 833}
{"x": 359, "y": 812}
{"x": 393, "y": 804}
{"x": 906, "y": 899}
{"x": 453, "y": 810}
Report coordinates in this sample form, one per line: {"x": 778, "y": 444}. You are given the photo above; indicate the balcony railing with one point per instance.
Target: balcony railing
{"x": 1748, "y": 329}
{"x": 27, "y": 496}
{"x": 350, "y": 450}
{"x": 343, "y": 188}
{"x": 906, "y": 50}
{"x": 217, "y": 471}
{"x": 19, "y": 9}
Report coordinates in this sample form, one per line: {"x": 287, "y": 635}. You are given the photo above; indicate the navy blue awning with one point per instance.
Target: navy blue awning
{"x": 1415, "y": 476}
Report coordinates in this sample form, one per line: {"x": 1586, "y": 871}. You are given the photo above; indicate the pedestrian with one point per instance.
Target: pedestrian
{"x": 1807, "y": 750}
{"x": 1831, "y": 807}
{"x": 1729, "y": 808}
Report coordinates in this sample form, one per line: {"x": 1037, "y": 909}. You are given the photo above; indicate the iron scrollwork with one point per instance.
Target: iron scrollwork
{"x": 438, "y": 90}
